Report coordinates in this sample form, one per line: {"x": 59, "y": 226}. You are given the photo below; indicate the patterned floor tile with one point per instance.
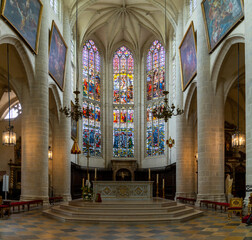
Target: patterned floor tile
{"x": 212, "y": 226}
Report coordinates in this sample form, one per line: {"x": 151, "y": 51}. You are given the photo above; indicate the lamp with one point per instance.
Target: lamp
{"x": 165, "y": 111}
{"x": 50, "y": 156}
{"x": 9, "y": 136}
{"x": 76, "y": 112}
{"x": 238, "y": 138}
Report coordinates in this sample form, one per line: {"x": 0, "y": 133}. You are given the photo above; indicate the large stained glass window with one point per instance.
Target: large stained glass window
{"x": 91, "y": 94}
{"x": 155, "y": 132}
{"x": 123, "y": 100}
{"x": 155, "y": 87}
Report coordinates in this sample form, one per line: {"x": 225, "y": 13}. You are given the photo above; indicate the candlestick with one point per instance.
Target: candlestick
{"x": 157, "y": 178}
{"x": 149, "y": 175}
{"x": 163, "y": 188}
{"x": 157, "y": 193}
{"x": 83, "y": 182}
{"x": 95, "y": 174}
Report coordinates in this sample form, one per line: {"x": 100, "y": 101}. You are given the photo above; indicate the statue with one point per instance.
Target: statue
{"x": 229, "y": 183}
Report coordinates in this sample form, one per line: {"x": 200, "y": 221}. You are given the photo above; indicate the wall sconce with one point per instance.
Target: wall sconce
{"x": 50, "y": 157}
{"x": 196, "y": 156}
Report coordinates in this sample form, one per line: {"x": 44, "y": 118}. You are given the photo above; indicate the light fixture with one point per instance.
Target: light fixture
{"x": 76, "y": 112}
{"x": 50, "y": 155}
{"x": 238, "y": 138}
{"x": 164, "y": 110}
{"x": 9, "y": 136}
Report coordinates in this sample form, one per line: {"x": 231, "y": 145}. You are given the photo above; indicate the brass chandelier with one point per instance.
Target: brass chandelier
{"x": 76, "y": 111}
{"x": 165, "y": 111}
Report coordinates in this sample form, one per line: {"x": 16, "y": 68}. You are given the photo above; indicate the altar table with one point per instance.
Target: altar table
{"x": 124, "y": 190}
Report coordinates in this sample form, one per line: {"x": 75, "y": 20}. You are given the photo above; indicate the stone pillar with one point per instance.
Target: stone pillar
{"x": 35, "y": 123}
{"x": 248, "y": 100}
{"x": 184, "y": 144}
{"x": 210, "y": 113}
{"x": 62, "y": 132}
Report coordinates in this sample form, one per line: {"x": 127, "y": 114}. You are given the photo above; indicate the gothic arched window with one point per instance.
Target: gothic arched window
{"x": 91, "y": 93}
{"x": 123, "y": 103}
{"x": 155, "y": 86}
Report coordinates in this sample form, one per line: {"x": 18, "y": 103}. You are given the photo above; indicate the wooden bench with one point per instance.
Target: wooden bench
{"x": 25, "y": 203}
{"x": 214, "y": 204}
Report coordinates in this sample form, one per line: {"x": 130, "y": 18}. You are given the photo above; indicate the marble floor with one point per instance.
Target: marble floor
{"x": 212, "y": 226}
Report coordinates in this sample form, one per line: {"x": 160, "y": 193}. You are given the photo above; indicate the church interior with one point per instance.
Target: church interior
{"x": 122, "y": 100}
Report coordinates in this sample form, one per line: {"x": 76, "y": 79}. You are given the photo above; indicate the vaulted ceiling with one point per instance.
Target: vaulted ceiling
{"x": 115, "y": 21}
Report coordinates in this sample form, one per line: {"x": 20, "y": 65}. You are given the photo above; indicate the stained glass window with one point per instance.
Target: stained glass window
{"x": 155, "y": 71}
{"x": 155, "y": 86}
{"x": 123, "y": 132}
{"x": 91, "y": 71}
{"x": 91, "y": 93}
{"x": 123, "y": 100}
{"x": 123, "y": 69}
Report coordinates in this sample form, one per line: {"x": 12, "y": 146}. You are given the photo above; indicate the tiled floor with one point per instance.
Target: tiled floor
{"x": 212, "y": 226}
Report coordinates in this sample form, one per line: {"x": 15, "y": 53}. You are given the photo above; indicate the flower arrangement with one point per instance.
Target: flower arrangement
{"x": 87, "y": 191}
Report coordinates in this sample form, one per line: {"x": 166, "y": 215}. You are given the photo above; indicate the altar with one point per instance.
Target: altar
{"x": 124, "y": 190}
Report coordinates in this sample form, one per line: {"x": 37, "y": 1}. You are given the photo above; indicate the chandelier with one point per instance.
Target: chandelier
{"x": 75, "y": 112}
{"x": 9, "y": 136}
{"x": 238, "y": 138}
{"x": 164, "y": 110}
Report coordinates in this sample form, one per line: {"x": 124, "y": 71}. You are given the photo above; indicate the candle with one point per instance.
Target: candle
{"x": 163, "y": 183}
{"x": 88, "y": 177}
{"x": 95, "y": 173}
{"x": 83, "y": 182}
{"x": 149, "y": 175}
{"x": 157, "y": 178}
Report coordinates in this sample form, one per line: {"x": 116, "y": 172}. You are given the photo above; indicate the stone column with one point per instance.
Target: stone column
{"x": 35, "y": 123}
{"x": 248, "y": 100}
{"x": 210, "y": 113}
{"x": 184, "y": 149}
{"x": 62, "y": 132}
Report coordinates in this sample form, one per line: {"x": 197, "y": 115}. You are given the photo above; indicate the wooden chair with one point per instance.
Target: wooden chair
{"x": 250, "y": 204}
{"x": 236, "y": 205}
{"x": 4, "y": 208}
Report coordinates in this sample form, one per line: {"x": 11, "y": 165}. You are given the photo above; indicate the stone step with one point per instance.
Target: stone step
{"x": 106, "y": 209}
{"x": 115, "y": 213}
{"x": 123, "y": 204}
{"x": 121, "y": 219}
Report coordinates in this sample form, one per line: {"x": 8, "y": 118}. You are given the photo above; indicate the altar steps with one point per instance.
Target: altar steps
{"x": 116, "y": 211}
{"x": 122, "y": 209}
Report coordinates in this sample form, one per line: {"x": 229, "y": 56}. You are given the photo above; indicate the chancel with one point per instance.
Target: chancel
{"x": 125, "y": 111}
